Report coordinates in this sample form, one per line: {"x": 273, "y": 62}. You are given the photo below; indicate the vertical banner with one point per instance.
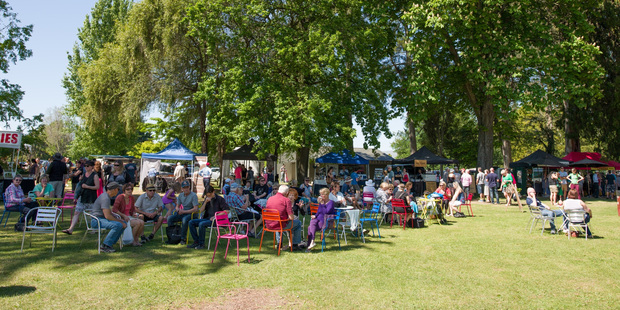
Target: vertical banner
{"x": 10, "y": 139}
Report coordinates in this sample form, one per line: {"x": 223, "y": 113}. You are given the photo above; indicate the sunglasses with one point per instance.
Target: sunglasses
{"x": 18, "y": 180}
{"x": 117, "y": 165}
{"x": 150, "y": 190}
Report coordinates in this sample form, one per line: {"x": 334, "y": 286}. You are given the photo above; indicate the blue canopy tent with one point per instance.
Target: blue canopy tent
{"x": 343, "y": 158}
{"x": 174, "y": 151}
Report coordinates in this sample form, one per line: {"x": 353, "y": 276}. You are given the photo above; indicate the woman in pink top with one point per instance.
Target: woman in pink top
{"x": 466, "y": 180}
{"x": 125, "y": 209}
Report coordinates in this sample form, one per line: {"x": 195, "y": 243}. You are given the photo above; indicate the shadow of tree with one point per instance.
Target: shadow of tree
{"x": 15, "y": 290}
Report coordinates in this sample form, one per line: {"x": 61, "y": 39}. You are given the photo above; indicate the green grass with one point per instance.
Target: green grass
{"x": 489, "y": 261}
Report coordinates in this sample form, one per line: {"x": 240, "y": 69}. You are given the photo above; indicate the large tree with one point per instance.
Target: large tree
{"x": 502, "y": 52}
{"x": 13, "y": 38}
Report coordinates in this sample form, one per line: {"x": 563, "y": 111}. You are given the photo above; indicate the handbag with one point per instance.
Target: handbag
{"x": 127, "y": 234}
{"x": 173, "y": 232}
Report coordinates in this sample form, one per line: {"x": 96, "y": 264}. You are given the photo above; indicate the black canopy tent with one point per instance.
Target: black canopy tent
{"x": 425, "y": 154}
{"x": 244, "y": 155}
{"x": 539, "y": 159}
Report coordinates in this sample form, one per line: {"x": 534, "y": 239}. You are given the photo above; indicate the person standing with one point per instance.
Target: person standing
{"x": 76, "y": 174}
{"x": 131, "y": 169}
{"x": 205, "y": 173}
{"x": 56, "y": 171}
{"x": 611, "y": 185}
{"x": 250, "y": 177}
{"x": 553, "y": 187}
{"x": 282, "y": 174}
{"x": 594, "y": 185}
{"x": 466, "y": 181}
{"x": 563, "y": 175}
{"x": 179, "y": 173}
{"x": 239, "y": 174}
{"x": 493, "y": 181}
{"x": 480, "y": 184}
{"x": 86, "y": 194}
{"x": 575, "y": 178}
{"x": 34, "y": 169}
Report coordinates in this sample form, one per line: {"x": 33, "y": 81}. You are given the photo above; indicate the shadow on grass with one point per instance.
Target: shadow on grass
{"x": 16, "y": 290}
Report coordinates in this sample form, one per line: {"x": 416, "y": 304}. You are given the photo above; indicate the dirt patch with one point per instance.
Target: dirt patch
{"x": 253, "y": 299}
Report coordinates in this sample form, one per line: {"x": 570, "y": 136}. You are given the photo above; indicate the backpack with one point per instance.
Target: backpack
{"x": 173, "y": 233}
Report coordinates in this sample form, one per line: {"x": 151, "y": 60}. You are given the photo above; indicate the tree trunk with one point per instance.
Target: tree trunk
{"x": 571, "y": 134}
{"x": 549, "y": 134}
{"x": 413, "y": 144}
{"x": 221, "y": 149}
{"x": 204, "y": 135}
{"x": 486, "y": 117}
{"x": 301, "y": 157}
{"x": 506, "y": 152}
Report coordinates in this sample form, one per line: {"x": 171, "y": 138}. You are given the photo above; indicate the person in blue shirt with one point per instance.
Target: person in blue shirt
{"x": 354, "y": 179}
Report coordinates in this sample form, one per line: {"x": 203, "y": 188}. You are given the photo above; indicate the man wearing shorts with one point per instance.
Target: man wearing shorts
{"x": 611, "y": 185}
{"x": 149, "y": 205}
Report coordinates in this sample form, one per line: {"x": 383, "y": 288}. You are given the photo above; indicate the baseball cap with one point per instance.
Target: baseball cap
{"x": 185, "y": 184}
{"x": 234, "y": 186}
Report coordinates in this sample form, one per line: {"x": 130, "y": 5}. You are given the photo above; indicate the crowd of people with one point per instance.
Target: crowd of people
{"x": 106, "y": 192}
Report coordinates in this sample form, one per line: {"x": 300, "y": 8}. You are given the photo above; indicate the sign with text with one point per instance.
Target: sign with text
{"x": 10, "y": 139}
{"x": 420, "y": 163}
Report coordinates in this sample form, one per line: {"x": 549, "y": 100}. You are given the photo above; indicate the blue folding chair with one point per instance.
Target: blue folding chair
{"x": 7, "y": 212}
{"x": 328, "y": 218}
{"x": 370, "y": 216}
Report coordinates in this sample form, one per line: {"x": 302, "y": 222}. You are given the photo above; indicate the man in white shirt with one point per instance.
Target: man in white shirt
{"x": 205, "y": 173}
{"x": 179, "y": 173}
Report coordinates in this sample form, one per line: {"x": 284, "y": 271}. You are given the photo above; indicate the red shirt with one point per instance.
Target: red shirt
{"x": 121, "y": 207}
{"x": 238, "y": 171}
{"x": 284, "y": 207}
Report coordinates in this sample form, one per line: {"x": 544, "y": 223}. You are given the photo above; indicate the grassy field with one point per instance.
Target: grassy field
{"x": 489, "y": 261}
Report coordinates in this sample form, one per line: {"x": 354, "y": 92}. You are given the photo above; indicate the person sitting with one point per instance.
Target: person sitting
{"x": 283, "y": 206}
{"x": 573, "y": 203}
{"x": 187, "y": 204}
{"x": 241, "y": 203}
{"x": 15, "y": 200}
{"x": 169, "y": 199}
{"x": 44, "y": 189}
{"x": 306, "y": 193}
{"x": 544, "y": 210}
{"x": 317, "y": 222}
{"x": 349, "y": 192}
{"x": 125, "y": 208}
{"x": 402, "y": 194}
{"x": 226, "y": 187}
{"x": 458, "y": 198}
{"x": 336, "y": 196}
{"x": 101, "y": 209}
{"x": 212, "y": 204}
{"x": 149, "y": 207}
{"x": 298, "y": 205}
{"x": 384, "y": 197}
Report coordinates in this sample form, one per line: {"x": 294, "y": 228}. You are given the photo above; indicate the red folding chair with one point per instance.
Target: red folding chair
{"x": 468, "y": 204}
{"x": 230, "y": 232}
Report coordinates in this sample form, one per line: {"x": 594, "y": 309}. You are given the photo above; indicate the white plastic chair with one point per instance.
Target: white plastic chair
{"x": 98, "y": 229}
{"x": 576, "y": 221}
{"x": 45, "y": 223}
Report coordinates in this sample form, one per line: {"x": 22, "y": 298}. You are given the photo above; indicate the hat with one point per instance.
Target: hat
{"x": 89, "y": 163}
{"x": 208, "y": 164}
{"x": 234, "y": 187}
{"x": 178, "y": 163}
{"x": 150, "y": 187}
{"x": 348, "y": 179}
{"x": 226, "y": 180}
{"x": 57, "y": 156}
{"x": 370, "y": 183}
{"x": 113, "y": 185}
{"x": 185, "y": 183}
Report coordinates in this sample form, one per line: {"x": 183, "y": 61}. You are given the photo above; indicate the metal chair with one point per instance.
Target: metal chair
{"x": 67, "y": 203}
{"x": 6, "y": 212}
{"x": 351, "y": 222}
{"x": 98, "y": 229}
{"x": 576, "y": 221}
{"x": 365, "y": 198}
{"x": 235, "y": 217}
{"x": 467, "y": 204}
{"x": 535, "y": 216}
{"x": 44, "y": 223}
{"x": 221, "y": 220}
{"x": 334, "y": 219}
{"x": 370, "y": 216}
{"x": 399, "y": 203}
{"x": 274, "y": 216}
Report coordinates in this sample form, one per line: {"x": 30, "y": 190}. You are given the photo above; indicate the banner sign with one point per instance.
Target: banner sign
{"x": 420, "y": 163}
{"x": 10, "y": 139}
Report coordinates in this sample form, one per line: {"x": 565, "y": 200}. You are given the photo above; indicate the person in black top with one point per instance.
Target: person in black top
{"x": 261, "y": 190}
{"x": 86, "y": 194}
{"x": 56, "y": 171}
{"x": 212, "y": 204}
{"x": 76, "y": 173}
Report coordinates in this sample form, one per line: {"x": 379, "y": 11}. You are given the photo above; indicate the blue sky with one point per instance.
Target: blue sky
{"x": 55, "y": 32}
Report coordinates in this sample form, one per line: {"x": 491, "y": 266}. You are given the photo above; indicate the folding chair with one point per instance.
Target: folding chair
{"x": 44, "y": 223}
{"x": 152, "y": 223}
{"x": 221, "y": 220}
{"x": 90, "y": 229}
{"x": 576, "y": 221}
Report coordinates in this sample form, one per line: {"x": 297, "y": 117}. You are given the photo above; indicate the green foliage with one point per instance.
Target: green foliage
{"x": 401, "y": 144}
{"x": 13, "y": 38}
